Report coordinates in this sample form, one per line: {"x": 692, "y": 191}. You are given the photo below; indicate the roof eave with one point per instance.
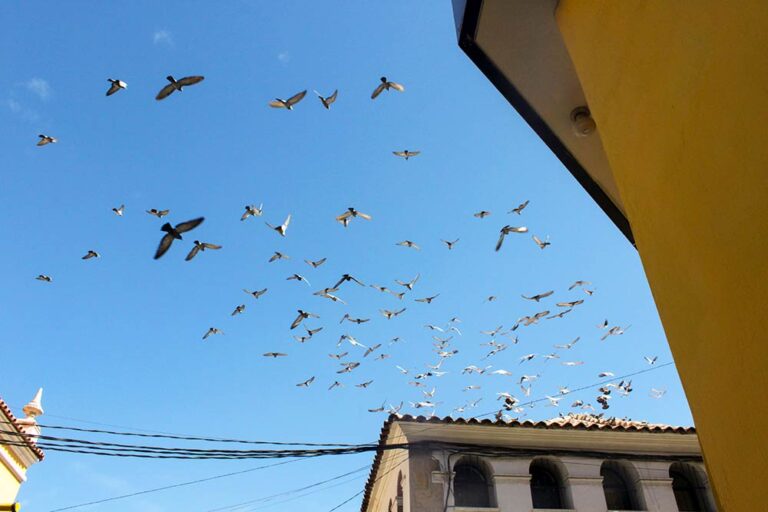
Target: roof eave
{"x": 466, "y": 36}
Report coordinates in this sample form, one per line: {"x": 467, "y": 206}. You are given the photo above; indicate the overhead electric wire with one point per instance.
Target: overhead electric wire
{"x": 589, "y": 386}
{"x": 294, "y": 498}
{"x": 407, "y": 456}
{"x": 173, "y": 486}
{"x": 192, "y": 438}
{"x": 291, "y": 491}
{"x": 150, "y": 447}
{"x": 145, "y": 451}
{"x": 82, "y": 446}
{"x": 571, "y": 392}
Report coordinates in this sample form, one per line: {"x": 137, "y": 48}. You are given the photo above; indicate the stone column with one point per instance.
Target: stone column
{"x": 655, "y": 486}
{"x": 584, "y": 484}
{"x": 512, "y": 483}
{"x": 426, "y": 486}
{"x": 701, "y": 475}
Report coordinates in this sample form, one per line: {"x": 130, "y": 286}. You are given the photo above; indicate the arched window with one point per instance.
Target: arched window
{"x": 399, "y": 497}
{"x": 547, "y": 489}
{"x": 689, "y": 488}
{"x": 472, "y": 486}
{"x": 620, "y": 494}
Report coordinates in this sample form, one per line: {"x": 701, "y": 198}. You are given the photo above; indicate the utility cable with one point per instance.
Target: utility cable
{"x": 173, "y": 486}
{"x": 284, "y": 493}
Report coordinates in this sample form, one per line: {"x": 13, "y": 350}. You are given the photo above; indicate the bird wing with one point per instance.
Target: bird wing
{"x": 165, "y": 244}
{"x": 319, "y": 262}
{"x": 189, "y": 225}
{"x": 276, "y": 104}
{"x": 330, "y": 99}
{"x": 211, "y": 246}
{"x": 297, "y": 321}
{"x": 399, "y": 153}
{"x": 190, "y": 80}
{"x": 344, "y": 216}
{"x": 287, "y": 221}
{"x": 113, "y": 89}
{"x": 165, "y": 92}
{"x": 296, "y": 98}
{"x": 43, "y": 141}
{"x": 396, "y": 86}
{"x": 501, "y": 241}
{"x": 364, "y": 216}
{"x": 192, "y": 253}
{"x": 377, "y": 90}
{"x": 414, "y": 153}
{"x": 245, "y": 215}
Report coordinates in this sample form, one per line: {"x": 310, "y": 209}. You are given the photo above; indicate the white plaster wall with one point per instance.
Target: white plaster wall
{"x": 511, "y": 478}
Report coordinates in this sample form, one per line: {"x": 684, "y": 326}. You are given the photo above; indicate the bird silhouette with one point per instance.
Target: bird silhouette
{"x": 327, "y": 101}
{"x": 289, "y": 103}
{"x": 386, "y": 85}
{"x": 116, "y": 86}
{"x": 177, "y": 85}
{"x": 174, "y": 233}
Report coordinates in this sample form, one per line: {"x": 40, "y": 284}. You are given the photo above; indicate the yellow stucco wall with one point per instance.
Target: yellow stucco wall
{"x": 679, "y": 90}
{"x": 9, "y": 485}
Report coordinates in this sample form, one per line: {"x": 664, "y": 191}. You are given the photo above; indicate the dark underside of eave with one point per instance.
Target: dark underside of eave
{"x": 509, "y": 91}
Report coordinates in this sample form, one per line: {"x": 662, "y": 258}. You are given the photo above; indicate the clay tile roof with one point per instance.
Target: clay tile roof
{"x": 570, "y": 421}
{"x": 4, "y": 409}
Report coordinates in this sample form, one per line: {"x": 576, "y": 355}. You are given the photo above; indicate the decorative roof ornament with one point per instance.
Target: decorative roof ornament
{"x": 33, "y": 409}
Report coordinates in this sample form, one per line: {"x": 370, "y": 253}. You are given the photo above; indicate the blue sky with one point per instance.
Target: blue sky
{"x": 117, "y": 340}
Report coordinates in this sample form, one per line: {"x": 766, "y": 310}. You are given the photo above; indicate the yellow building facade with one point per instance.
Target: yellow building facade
{"x": 677, "y": 156}
{"x": 18, "y": 450}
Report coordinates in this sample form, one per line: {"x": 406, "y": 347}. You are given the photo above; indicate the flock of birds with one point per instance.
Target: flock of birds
{"x": 349, "y": 358}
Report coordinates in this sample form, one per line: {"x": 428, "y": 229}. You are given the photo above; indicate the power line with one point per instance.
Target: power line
{"x": 265, "y": 498}
{"x": 576, "y": 390}
{"x": 190, "y": 438}
{"x": 83, "y": 446}
{"x": 162, "y": 435}
{"x": 96, "y": 444}
{"x": 261, "y": 507}
{"x": 173, "y": 486}
{"x": 407, "y": 456}
{"x": 589, "y": 386}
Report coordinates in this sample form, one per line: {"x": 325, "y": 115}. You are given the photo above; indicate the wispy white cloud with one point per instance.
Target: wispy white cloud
{"x": 14, "y": 106}
{"x": 284, "y": 57}
{"x": 39, "y": 87}
{"x": 20, "y": 110}
{"x": 162, "y": 37}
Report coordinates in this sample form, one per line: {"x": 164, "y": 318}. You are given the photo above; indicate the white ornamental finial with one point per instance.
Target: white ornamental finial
{"x": 35, "y": 407}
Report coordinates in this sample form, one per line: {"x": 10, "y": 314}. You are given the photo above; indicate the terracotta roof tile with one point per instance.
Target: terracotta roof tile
{"x": 568, "y": 422}
{"x": 15, "y": 422}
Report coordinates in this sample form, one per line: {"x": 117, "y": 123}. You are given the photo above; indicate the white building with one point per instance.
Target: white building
{"x": 580, "y": 462}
